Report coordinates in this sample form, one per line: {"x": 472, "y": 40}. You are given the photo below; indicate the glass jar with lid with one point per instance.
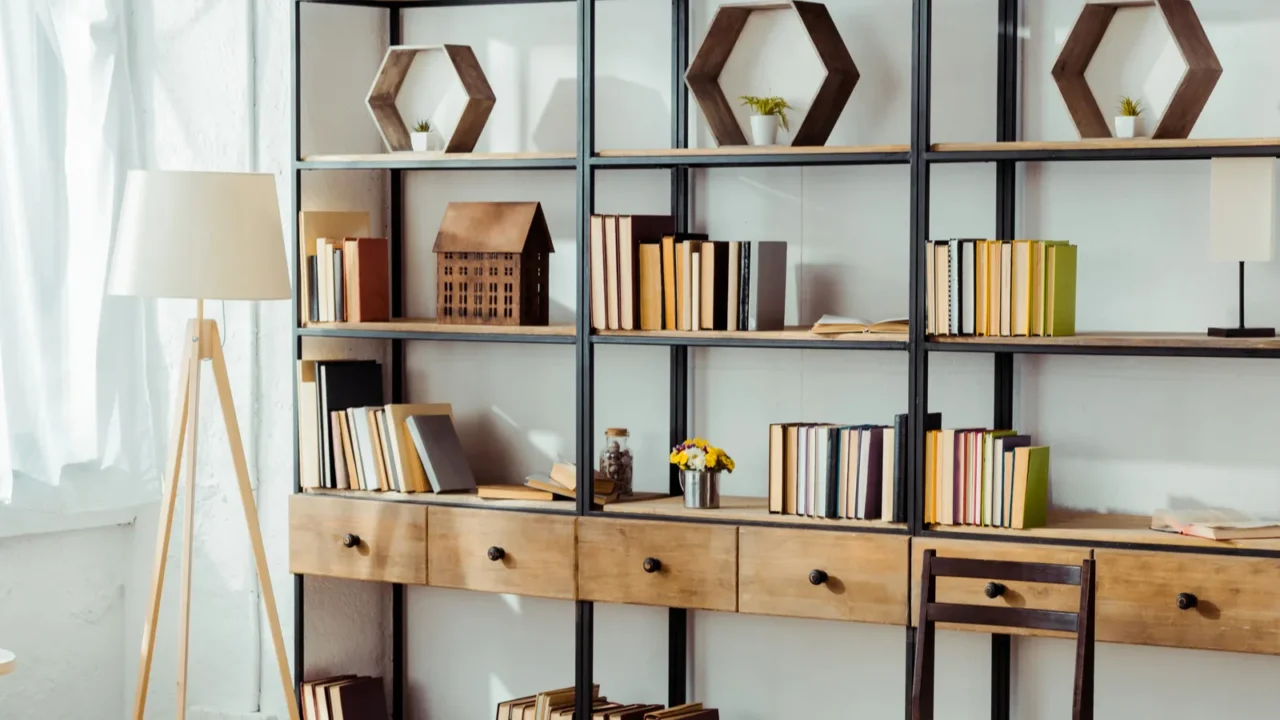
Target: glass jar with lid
{"x": 615, "y": 461}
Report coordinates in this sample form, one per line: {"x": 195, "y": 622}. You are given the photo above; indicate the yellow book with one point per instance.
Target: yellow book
{"x": 980, "y": 288}
{"x": 993, "y": 286}
{"x": 931, "y": 477}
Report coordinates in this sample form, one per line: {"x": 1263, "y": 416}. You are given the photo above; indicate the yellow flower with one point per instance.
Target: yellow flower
{"x": 700, "y": 443}
{"x": 728, "y": 463}
{"x": 675, "y": 456}
{"x": 713, "y": 457}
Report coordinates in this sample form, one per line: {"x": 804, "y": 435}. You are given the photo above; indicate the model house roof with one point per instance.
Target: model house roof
{"x": 505, "y": 227}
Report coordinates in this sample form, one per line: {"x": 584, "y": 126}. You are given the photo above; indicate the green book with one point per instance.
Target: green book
{"x": 1030, "y": 487}
{"x": 1060, "y": 291}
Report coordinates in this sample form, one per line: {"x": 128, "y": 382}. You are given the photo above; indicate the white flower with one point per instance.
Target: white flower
{"x": 697, "y": 459}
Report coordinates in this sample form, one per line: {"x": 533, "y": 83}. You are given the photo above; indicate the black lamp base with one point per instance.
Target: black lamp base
{"x": 1242, "y": 332}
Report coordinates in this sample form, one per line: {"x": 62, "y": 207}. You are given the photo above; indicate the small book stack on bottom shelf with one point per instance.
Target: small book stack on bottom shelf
{"x": 559, "y": 705}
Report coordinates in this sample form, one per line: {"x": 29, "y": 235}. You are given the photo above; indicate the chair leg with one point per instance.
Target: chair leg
{"x": 173, "y": 468}
{"x": 251, "y": 519}
{"x": 922, "y": 678}
{"x": 1082, "y": 702}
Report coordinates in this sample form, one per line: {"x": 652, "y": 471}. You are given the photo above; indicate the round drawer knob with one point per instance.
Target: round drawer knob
{"x": 817, "y": 577}
{"x": 652, "y": 565}
{"x": 496, "y": 553}
{"x": 1187, "y": 601}
{"x": 350, "y": 540}
{"x": 993, "y": 590}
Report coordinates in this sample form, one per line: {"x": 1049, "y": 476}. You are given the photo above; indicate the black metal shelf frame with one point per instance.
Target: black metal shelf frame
{"x": 919, "y": 158}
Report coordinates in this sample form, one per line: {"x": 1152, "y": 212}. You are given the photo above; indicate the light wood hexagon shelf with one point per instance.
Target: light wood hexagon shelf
{"x": 391, "y": 75}
{"x": 1189, "y": 98}
{"x": 703, "y": 75}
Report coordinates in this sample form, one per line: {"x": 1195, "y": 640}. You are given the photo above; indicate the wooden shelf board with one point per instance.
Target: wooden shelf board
{"x": 1103, "y": 144}
{"x": 564, "y": 507}
{"x": 1120, "y": 339}
{"x": 1109, "y": 528}
{"x": 738, "y": 509}
{"x": 427, "y": 157}
{"x": 731, "y": 150}
{"x": 790, "y": 334}
{"x": 426, "y": 325}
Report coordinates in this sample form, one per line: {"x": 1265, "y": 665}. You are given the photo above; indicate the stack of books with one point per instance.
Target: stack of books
{"x": 995, "y": 478}
{"x": 1001, "y": 288}
{"x": 841, "y": 472}
{"x": 559, "y": 705}
{"x": 343, "y": 696}
{"x": 645, "y": 276}
{"x": 349, "y": 440}
{"x": 348, "y": 280}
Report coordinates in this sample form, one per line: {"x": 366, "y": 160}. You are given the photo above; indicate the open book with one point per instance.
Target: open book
{"x": 1214, "y": 524}
{"x": 840, "y": 325}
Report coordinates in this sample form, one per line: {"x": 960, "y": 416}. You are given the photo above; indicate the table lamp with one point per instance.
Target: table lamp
{"x": 1242, "y": 213}
{"x": 205, "y": 236}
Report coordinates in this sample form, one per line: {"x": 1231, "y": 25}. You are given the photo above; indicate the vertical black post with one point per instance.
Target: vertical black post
{"x": 1006, "y": 209}
{"x": 396, "y": 223}
{"x": 678, "y": 618}
{"x": 585, "y": 366}
{"x": 295, "y": 131}
{"x": 918, "y": 356}
{"x": 1241, "y": 294}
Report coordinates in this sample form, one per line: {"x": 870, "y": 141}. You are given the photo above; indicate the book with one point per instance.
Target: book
{"x": 403, "y": 453}
{"x": 994, "y": 308}
{"x": 955, "y": 293}
{"x": 1060, "y": 291}
{"x": 966, "y": 284}
{"x": 1021, "y": 289}
{"x": 931, "y": 477}
{"x": 633, "y": 232}
{"x": 512, "y": 492}
{"x": 990, "y": 502}
{"x": 359, "y": 699}
{"x": 612, "y": 276}
{"x": 386, "y": 441}
{"x": 324, "y": 255}
{"x": 871, "y": 470}
{"x": 715, "y": 282}
{"x": 930, "y": 290}
{"x": 368, "y": 279}
{"x": 731, "y": 295}
{"x": 1002, "y": 456}
{"x": 312, "y": 226}
{"x": 981, "y": 287}
{"x": 340, "y": 478}
{"x": 684, "y": 283}
{"x": 695, "y": 292}
{"x": 744, "y": 284}
{"x": 791, "y": 468}
{"x": 888, "y": 471}
{"x": 441, "y": 453}
{"x": 505, "y": 707}
{"x": 1006, "y": 288}
{"x": 367, "y": 462}
{"x": 802, "y": 470}
{"x": 309, "y": 427}
{"x": 309, "y": 282}
{"x": 599, "y": 316}
{"x": 777, "y": 464}
{"x": 942, "y": 287}
{"x": 339, "y": 286}
{"x": 341, "y": 385}
{"x": 348, "y": 450}
{"x": 841, "y": 325}
{"x": 379, "y": 450}
{"x": 845, "y": 481}
{"x": 669, "y": 321}
{"x": 1030, "y": 487}
{"x": 767, "y": 294}
{"x": 1215, "y": 524}
{"x": 651, "y": 313}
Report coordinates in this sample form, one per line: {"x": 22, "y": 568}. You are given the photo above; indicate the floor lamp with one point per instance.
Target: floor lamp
{"x": 202, "y": 236}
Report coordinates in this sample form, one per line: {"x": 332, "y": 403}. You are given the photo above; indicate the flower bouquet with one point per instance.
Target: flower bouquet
{"x": 700, "y": 464}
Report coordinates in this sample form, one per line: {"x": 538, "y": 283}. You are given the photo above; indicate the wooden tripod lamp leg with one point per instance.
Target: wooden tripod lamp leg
{"x": 214, "y": 349}
{"x": 188, "y": 524}
{"x": 173, "y": 468}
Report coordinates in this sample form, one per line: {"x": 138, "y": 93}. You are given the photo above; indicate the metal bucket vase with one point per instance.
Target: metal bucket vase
{"x": 701, "y": 489}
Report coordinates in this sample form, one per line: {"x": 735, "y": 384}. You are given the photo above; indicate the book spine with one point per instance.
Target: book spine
{"x": 313, "y": 299}
{"x": 339, "y": 288}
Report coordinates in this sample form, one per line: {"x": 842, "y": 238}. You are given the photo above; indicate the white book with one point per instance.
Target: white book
{"x": 686, "y": 284}
{"x": 695, "y": 299}
{"x": 389, "y": 451}
{"x": 810, "y": 494}
{"x": 997, "y": 480}
{"x": 325, "y": 281}
{"x": 988, "y": 491}
{"x": 864, "y": 477}
{"x": 802, "y": 468}
{"x": 735, "y": 271}
{"x": 822, "y": 460}
{"x": 886, "y": 482}
{"x": 968, "y": 289}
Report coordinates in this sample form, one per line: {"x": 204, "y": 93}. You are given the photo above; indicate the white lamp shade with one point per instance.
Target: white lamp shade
{"x": 1242, "y": 209}
{"x": 205, "y": 235}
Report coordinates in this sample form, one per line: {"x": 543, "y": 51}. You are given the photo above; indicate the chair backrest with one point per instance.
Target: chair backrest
{"x": 931, "y": 611}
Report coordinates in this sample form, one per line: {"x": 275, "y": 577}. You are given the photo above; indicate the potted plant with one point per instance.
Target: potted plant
{"x": 1127, "y": 120}
{"x": 420, "y": 138}
{"x": 766, "y": 113}
{"x": 700, "y": 464}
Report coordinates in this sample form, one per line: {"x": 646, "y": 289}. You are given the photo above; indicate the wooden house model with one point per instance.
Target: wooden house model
{"x": 491, "y": 264}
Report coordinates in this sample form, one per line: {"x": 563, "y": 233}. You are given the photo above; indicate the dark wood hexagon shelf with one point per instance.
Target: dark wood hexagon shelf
{"x": 703, "y": 75}
{"x": 391, "y": 75}
{"x": 1189, "y": 98}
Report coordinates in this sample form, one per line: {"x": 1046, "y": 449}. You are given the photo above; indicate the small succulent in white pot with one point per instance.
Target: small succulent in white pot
{"x": 1128, "y": 122}
{"x": 766, "y": 114}
{"x": 420, "y": 137}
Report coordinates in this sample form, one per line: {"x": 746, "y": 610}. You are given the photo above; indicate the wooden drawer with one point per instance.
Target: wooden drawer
{"x": 390, "y": 539}
{"x": 864, "y": 575}
{"x": 505, "y": 552}
{"x": 970, "y": 591}
{"x": 1237, "y": 601}
{"x": 697, "y": 564}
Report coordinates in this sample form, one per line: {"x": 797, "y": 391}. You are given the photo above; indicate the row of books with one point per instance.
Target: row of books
{"x": 645, "y": 276}
{"x": 344, "y": 697}
{"x": 995, "y": 478}
{"x": 559, "y": 705}
{"x": 349, "y": 280}
{"x": 841, "y": 472}
{"x": 349, "y": 440}
{"x": 1001, "y": 288}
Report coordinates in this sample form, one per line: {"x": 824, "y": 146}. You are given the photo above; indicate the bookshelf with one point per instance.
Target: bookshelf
{"x": 1139, "y": 615}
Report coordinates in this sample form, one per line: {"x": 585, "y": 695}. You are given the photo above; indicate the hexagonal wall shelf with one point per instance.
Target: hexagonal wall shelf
{"x": 1197, "y": 83}
{"x": 703, "y": 75}
{"x": 386, "y": 86}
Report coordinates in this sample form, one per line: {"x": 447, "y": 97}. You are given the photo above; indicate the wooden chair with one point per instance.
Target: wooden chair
{"x": 1080, "y": 622}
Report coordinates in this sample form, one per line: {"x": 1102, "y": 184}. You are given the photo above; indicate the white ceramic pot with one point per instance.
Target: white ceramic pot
{"x": 764, "y": 129}
{"x": 1126, "y": 126}
{"x": 435, "y": 141}
{"x": 420, "y": 141}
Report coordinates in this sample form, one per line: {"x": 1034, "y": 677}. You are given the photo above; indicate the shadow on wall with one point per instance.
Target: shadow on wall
{"x": 635, "y": 105}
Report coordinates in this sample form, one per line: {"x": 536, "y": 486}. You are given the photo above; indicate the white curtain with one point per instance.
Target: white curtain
{"x": 75, "y": 410}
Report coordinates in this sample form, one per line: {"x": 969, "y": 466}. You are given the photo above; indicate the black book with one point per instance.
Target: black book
{"x": 715, "y": 283}
{"x": 744, "y": 284}
{"x": 343, "y": 384}
{"x": 313, "y": 302}
{"x": 832, "y": 509}
{"x": 933, "y": 421}
{"x": 339, "y": 288}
